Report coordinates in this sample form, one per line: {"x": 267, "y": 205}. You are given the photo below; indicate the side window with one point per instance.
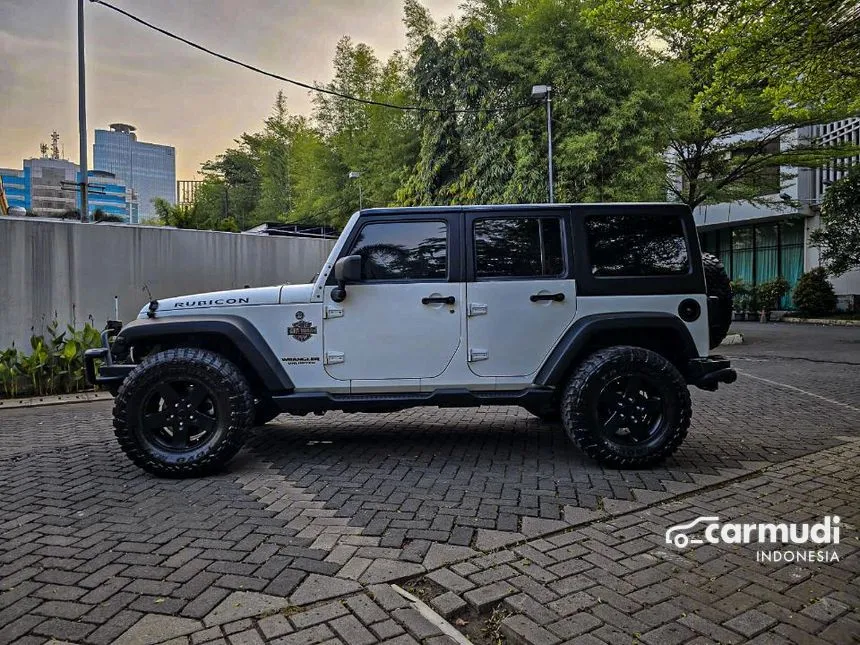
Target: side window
{"x": 636, "y": 245}
{"x": 518, "y": 247}
{"x": 403, "y": 250}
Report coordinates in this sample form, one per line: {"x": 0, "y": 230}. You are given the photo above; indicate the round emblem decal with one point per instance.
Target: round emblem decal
{"x": 300, "y": 315}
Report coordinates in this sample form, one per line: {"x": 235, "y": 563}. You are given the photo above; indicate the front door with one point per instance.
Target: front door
{"x": 521, "y": 296}
{"x": 402, "y": 321}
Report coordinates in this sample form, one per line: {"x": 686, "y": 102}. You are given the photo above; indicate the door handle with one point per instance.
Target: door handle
{"x": 444, "y": 300}
{"x": 557, "y": 297}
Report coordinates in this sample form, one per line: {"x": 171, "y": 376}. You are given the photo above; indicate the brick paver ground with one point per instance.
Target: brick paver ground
{"x": 488, "y": 515}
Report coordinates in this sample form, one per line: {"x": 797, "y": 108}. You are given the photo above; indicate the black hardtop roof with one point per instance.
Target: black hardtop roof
{"x": 605, "y": 207}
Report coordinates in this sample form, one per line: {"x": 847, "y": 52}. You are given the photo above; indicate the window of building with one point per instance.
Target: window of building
{"x": 760, "y": 252}
{"x": 518, "y": 247}
{"x": 403, "y": 251}
{"x": 636, "y": 245}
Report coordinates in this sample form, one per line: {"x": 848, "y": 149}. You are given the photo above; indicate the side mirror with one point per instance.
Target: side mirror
{"x": 347, "y": 269}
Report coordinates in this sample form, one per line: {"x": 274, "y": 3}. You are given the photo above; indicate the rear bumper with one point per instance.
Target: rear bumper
{"x": 708, "y": 373}
{"x": 107, "y": 375}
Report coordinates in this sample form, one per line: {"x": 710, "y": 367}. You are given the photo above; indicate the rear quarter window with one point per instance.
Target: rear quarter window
{"x": 636, "y": 245}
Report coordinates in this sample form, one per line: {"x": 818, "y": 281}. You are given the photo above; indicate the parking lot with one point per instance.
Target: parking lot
{"x": 488, "y": 515}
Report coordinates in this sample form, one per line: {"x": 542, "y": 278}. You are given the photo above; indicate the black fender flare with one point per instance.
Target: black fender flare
{"x": 240, "y": 332}
{"x": 571, "y": 345}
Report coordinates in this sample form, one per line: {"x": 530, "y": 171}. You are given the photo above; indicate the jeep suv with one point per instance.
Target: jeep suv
{"x": 597, "y": 316}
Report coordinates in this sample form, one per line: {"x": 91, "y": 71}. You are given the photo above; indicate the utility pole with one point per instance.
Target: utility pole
{"x": 549, "y": 140}
{"x": 544, "y": 92}
{"x": 82, "y": 114}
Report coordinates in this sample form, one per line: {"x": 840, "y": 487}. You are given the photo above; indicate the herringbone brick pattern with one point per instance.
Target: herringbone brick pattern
{"x": 320, "y": 509}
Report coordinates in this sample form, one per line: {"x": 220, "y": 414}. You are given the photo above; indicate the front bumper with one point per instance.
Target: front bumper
{"x": 108, "y": 374}
{"x": 708, "y": 373}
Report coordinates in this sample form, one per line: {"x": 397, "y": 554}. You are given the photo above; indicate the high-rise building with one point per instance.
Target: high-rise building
{"x": 39, "y": 189}
{"x": 147, "y": 169}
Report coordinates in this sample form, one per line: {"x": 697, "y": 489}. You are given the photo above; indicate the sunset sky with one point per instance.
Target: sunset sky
{"x": 172, "y": 93}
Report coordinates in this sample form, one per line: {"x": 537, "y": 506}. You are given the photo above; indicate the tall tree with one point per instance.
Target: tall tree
{"x": 735, "y": 112}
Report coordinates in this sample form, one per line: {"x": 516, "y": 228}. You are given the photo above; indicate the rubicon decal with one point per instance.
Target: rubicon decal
{"x": 709, "y": 530}
{"x": 211, "y": 303}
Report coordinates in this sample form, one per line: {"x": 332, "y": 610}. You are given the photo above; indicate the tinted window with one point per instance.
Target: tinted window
{"x": 403, "y": 251}
{"x": 518, "y": 247}
{"x": 636, "y": 245}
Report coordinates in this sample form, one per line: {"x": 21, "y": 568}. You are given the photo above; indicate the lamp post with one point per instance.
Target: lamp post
{"x": 544, "y": 92}
{"x": 82, "y": 114}
{"x": 354, "y": 174}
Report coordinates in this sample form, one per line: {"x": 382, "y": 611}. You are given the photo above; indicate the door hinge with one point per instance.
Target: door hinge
{"x": 331, "y": 358}
{"x": 477, "y": 309}
{"x": 332, "y": 312}
{"x": 478, "y": 355}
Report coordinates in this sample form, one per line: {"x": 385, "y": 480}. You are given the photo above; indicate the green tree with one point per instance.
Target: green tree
{"x": 607, "y": 110}
{"x": 839, "y": 235}
{"x": 734, "y": 111}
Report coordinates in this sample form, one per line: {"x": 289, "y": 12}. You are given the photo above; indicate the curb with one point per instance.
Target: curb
{"x": 59, "y": 399}
{"x": 733, "y": 339}
{"x": 823, "y": 321}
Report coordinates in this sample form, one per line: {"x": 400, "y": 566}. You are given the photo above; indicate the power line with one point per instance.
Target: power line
{"x": 307, "y": 86}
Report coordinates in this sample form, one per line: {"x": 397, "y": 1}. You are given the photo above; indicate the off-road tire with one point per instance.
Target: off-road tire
{"x": 718, "y": 286}
{"x": 587, "y": 382}
{"x": 264, "y": 411}
{"x": 231, "y": 395}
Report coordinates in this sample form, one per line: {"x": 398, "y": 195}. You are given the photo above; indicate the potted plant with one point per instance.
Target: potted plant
{"x": 740, "y": 298}
{"x": 769, "y": 294}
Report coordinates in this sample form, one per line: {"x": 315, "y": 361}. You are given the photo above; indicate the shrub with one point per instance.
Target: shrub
{"x": 768, "y": 293}
{"x": 814, "y": 294}
{"x": 55, "y": 364}
{"x": 740, "y": 294}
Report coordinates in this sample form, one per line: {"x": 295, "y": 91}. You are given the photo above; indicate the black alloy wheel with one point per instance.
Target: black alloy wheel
{"x": 178, "y": 414}
{"x": 629, "y": 410}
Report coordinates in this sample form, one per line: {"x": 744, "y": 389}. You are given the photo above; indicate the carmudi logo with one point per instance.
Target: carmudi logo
{"x": 709, "y": 530}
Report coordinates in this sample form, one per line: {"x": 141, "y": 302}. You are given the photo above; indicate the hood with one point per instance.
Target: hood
{"x": 296, "y": 293}
{"x": 217, "y": 299}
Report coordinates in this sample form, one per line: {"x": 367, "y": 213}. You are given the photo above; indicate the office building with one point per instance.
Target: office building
{"x": 758, "y": 243}
{"x": 39, "y": 189}
{"x": 147, "y": 169}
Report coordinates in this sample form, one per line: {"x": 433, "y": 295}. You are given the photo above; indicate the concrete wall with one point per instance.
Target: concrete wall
{"x": 76, "y": 269}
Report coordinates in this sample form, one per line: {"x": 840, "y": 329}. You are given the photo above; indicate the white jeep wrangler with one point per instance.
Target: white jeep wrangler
{"x": 595, "y": 315}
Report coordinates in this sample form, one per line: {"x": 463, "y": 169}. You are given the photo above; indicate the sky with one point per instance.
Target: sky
{"x": 174, "y": 94}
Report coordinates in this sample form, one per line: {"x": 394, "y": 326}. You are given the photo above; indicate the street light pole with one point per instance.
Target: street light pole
{"x": 82, "y": 114}
{"x": 544, "y": 92}
{"x": 549, "y": 141}
{"x": 354, "y": 174}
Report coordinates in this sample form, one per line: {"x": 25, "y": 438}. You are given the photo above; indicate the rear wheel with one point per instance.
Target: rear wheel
{"x": 626, "y": 407}
{"x": 183, "y": 412}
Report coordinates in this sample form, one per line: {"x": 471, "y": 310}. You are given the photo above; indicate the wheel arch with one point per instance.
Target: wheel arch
{"x": 233, "y": 337}
{"x": 663, "y": 333}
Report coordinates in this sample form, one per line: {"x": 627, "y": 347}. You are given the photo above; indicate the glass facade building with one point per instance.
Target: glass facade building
{"x": 147, "y": 169}
{"x": 760, "y": 252}
{"x": 38, "y": 189}
{"x": 758, "y": 242}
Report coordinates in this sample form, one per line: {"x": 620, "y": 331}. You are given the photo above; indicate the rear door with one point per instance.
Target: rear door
{"x": 521, "y": 295}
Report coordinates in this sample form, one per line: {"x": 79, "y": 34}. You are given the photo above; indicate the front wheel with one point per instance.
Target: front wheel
{"x": 183, "y": 412}
{"x": 626, "y": 407}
